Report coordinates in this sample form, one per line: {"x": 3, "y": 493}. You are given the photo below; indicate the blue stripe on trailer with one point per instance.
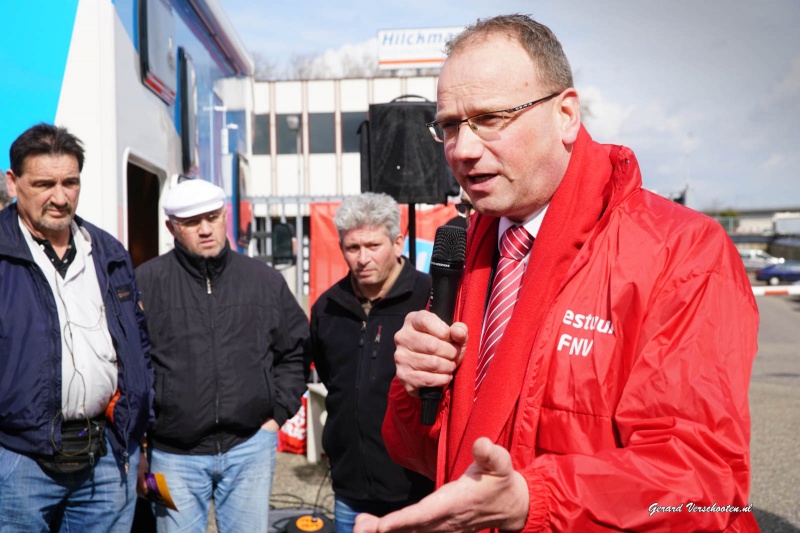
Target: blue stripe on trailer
{"x": 34, "y": 44}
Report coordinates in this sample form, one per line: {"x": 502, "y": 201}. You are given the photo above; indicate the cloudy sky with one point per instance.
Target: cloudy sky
{"x": 706, "y": 92}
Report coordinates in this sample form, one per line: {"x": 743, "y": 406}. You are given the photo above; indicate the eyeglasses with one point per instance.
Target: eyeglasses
{"x": 482, "y": 124}
{"x": 213, "y": 218}
{"x": 464, "y": 209}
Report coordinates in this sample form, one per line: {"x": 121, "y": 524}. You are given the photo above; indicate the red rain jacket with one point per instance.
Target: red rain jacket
{"x": 623, "y": 383}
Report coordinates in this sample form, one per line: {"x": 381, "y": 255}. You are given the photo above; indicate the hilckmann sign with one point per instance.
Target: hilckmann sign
{"x": 413, "y": 48}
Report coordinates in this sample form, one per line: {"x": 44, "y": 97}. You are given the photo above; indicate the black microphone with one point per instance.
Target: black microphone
{"x": 447, "y": 265}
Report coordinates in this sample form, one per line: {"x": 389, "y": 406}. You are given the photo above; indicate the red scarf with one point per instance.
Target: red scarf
{"x": 574, "y": 210}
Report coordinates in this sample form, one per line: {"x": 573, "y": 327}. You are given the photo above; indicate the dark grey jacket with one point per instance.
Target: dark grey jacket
{"x": 227, "y": 349}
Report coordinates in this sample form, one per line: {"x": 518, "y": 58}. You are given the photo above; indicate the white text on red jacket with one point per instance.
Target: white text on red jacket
{"x": 580, "y": 345}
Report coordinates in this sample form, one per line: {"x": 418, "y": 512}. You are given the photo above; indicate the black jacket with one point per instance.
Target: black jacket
{"x": 227, "y": 352}
{"x": 354, "y": 356}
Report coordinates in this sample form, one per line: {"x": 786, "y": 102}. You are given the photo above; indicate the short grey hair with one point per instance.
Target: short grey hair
{"x": 5, "y": 199}
{"x": 537, "y": 39}
{"x": 368, "y": 210}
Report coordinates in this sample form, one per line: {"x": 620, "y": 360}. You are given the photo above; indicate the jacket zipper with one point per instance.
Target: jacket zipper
{"x": 361, "y": 343}
{"x": 375, "y": 346}
{"x": 115, "y": 343}
{"x": 216, "y": 366}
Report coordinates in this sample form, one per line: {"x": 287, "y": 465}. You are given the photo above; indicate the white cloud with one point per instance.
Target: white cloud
{"x": 604, "y": 119}
{"x": 775, "y": 160}
{"x": 789, "y": 86}
{"x": 653, "y": 116}
{"x": 358, "y": 57}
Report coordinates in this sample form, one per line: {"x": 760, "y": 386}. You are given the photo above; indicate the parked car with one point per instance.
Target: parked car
{"x": 782, "y": 272}
{"x": 754, "y": 259}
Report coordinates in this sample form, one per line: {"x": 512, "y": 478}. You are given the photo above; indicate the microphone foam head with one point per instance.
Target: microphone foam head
{"x": 450, "y": 245}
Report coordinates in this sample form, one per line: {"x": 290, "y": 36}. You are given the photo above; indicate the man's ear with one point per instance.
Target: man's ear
{"x": 11, "y": 183}
{"x": 398, "y": 245}
{"x": 171, "y": 228}
{"x": 570, "y": 110}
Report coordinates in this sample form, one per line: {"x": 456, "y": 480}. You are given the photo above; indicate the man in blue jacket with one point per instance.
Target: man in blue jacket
{"x": 75, "y": 377}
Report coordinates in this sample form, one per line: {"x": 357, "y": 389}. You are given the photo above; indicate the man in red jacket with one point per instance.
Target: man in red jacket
{"x": 596, "y": 375}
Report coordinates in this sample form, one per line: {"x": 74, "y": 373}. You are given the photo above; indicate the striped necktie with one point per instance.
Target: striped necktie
{"x": 514, "y": 245}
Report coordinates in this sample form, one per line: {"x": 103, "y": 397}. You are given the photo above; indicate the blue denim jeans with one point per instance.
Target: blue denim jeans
{"x": 346, "y": 510}
{"x": 34, "y": 501}
{"x": 239, "y": 481}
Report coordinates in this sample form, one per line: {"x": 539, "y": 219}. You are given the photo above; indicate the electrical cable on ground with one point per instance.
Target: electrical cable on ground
{"x": 318, "y": 521}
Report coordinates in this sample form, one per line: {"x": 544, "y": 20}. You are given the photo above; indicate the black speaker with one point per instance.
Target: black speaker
{"x": 401, "y": 157}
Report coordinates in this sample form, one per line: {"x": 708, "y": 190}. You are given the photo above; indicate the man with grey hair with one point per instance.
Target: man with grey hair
{"x": 596, "y": 374}
{"x": 352, "y": 329}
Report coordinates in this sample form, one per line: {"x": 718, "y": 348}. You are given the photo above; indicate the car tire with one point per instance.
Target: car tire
{"x": 774, "y": 280}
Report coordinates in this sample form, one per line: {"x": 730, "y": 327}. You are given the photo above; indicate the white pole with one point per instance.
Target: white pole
{"x": 299, "y": 227}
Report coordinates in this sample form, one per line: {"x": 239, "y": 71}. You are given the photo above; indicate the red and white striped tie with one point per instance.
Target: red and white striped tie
{"x": 514, "y": 245}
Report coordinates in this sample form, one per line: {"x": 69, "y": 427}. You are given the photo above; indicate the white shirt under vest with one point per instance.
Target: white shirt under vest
{"x": 88, "y": 358}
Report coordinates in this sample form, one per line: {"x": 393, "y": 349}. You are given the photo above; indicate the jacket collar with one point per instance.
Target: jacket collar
{"x": 12, "y": 242}
{"x": 203, "y": 268}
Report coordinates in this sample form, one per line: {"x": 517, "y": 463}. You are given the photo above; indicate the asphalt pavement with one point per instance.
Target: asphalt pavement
{"x": 775, "y": 416}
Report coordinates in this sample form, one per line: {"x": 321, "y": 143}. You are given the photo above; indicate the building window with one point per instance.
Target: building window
{"x": 351, "y": 122}
{"x": 321, "y": 133}
{"x": 261, "y": 135}
{"x": 286, "y": 139}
